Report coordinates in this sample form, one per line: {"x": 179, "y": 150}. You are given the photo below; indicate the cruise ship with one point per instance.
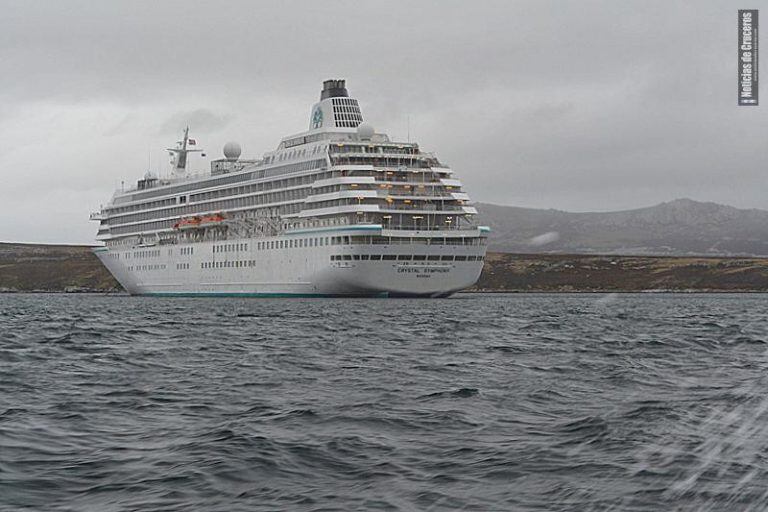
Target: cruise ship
{"x": 337, "y": 210}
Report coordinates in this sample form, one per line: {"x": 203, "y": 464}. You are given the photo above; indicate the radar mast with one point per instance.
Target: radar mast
{"x": 179, "y": 153}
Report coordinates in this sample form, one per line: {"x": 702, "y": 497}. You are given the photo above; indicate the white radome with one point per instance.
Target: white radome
{"x": 232, "y": 150}
{"x": 365, "y": 131}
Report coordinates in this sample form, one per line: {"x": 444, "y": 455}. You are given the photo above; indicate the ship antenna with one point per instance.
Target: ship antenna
{"x": 409, "y": 128}
{"x": 180, "y": 153}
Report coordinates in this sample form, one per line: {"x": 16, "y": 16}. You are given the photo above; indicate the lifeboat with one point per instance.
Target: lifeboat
{"x": 213, "y": 219}
{"x": 188, "y": 222}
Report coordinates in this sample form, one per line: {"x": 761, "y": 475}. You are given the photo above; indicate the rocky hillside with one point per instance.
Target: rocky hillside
{"x": 28, "y": 267}
{"x": 680, "y": 227}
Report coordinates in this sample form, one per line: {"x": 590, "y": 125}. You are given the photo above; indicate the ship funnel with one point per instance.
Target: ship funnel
{"x": 334, "y": 89}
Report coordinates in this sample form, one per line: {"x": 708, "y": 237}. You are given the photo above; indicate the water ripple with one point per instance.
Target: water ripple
{"x": 499, "y": 402}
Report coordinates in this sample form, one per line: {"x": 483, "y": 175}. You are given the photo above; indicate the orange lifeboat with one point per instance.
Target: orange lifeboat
{"x": 187, "y": 223}
{"x": 212, "y": 219}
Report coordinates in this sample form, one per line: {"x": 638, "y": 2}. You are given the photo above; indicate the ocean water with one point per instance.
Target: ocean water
{"x": 478, "y": 402}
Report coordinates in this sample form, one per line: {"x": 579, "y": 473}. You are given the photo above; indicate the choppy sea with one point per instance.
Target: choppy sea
{"x": 478, "y": 402}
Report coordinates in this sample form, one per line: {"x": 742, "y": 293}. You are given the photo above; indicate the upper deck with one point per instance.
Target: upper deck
{"x": 339, "y": 171}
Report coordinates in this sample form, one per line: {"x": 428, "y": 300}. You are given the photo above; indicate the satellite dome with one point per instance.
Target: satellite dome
{"x": 365, "y": 131}
{"x": 232, "y": 151}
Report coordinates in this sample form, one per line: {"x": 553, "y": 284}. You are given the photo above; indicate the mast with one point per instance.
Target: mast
{"x": 179, "y": 153}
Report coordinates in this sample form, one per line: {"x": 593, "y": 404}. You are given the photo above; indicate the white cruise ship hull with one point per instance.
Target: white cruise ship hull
{"x": 252, "y": 268}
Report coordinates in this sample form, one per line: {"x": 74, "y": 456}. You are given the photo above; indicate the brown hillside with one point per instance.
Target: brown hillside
{"x": 536, "y": 272}
{"x": 26, "y": 267}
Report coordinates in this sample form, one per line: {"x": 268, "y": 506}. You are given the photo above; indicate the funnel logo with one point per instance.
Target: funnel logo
{"x": 317, "y": 118}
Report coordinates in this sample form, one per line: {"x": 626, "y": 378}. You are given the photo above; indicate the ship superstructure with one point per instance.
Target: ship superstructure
{"x": 336, "y": 210}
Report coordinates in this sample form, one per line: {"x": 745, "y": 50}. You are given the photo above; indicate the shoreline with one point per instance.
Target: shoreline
{"x": 69, "y": 269}
{"x": 463, "y": 292}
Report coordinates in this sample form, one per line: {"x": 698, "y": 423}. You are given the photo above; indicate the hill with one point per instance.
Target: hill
{"x": 606, "y": 273}
{"x": 680, "y": 227}
{"x": 33, "y": 267}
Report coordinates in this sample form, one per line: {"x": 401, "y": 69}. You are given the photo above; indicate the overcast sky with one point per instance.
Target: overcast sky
{"x": 575, "y": 105}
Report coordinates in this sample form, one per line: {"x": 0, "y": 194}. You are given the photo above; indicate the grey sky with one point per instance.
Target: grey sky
{"x": 575, "y": 105}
